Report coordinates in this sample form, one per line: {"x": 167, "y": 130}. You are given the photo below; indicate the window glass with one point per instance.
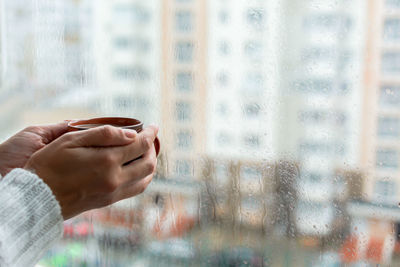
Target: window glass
{"x": 224, "y": 139}
{"x": 385, "y": 190}
{"x": 131, "y": 14}
{"x": 183, "y": 111}
{"x": 389, "y": 96}
{"x": 391, "y": 63}
{"x": 252, "y": 141}
{"x": 392, "y": 3}
{"x": 183, "y": 168}
{"x": 132, "y": 44}
{"x": 184, "y": 140}
{"x": 387, "y": 158}
{"x": 391, "y": 29}
{"x": 389, "y": 127}
{"x": 184, "y": 52}
{"x": 253, "y": 50}
{"x": 131, "y": 72}
{"x": 184, "y": 21}
{"x": 184, "y": 81}
{"x": 224, "y": 48}
{"x": 255, "y": 18}
{"x": 251, "y": 110}
{"x": 279, "y": 124}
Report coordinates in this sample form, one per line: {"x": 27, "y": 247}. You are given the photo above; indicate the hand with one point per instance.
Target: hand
{"x": 16, "y": 151}
{"x": 86, "y": 170}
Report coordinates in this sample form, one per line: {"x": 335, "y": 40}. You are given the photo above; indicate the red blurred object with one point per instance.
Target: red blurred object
{"x": 80, "y": 229}
{"x": 181, "y": 225}
{"x": 375, "y": 250}
{"x": 68, "y": 230}
{"x": 83, "y": 229}
{"x": 349, "y": 251}
{"x": 397, "y": 247}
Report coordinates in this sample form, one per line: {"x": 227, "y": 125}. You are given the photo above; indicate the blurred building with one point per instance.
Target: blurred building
{"x": 242, "y": 78}
{"x": 126, "y": 43}
{"x": 46, "y": 54}
{"x": 184, "y": 85}
{"x": 381, "y": 114}
{"x": 321, "y": 95}
{"x": 16, "y": 32}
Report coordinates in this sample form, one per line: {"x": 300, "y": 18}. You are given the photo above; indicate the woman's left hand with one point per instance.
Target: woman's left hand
{"x": 17, "y": 150}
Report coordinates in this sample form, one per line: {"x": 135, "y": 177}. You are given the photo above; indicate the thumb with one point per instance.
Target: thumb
{"x": 104, "y": 136}
{"x": 50, "y": 132}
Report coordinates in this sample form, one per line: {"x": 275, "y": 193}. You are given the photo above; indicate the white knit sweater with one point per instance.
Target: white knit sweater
{"x": 30, "y": 219}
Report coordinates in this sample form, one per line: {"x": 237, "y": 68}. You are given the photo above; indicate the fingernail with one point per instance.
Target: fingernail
{"x": 130, "y": 133}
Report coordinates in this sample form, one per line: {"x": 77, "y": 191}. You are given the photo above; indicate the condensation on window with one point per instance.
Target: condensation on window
{"x": 279, "y": 124}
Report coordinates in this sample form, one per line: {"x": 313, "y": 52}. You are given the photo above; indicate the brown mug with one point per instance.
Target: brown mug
{"x": 124, "y": 123}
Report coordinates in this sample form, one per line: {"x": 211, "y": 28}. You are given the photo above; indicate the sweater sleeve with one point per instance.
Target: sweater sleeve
{"x": 30, "y": 218}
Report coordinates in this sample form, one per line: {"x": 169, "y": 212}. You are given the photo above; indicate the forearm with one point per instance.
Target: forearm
{"x": 30, "y": 218}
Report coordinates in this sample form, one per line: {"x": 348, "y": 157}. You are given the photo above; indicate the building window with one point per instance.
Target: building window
{"x": 390, "y": 96}
{"x": 253, "y": 50}
{"x": 317, "y": 54}
{"x": 222, "y": 109}
{"x": 184, "y": 81}
{"x": 320, "y": 116}
{"x": 223, "y": 139}
{"x": 312, "y": 177}
{"x": 393, "y": 3}
{"x": 183, "y": 21}
{"x": 183, "y": 168}
{"x": 131, "y": 72}
{"x": 310, "y": 147}
{"x": 131, "y": 14}
{"x": 391, "y": 62}
{"x": 322, "y": 23}
{"x": 255, "y": 18}
{"x": 224, "y": 48}
{"x": 387, "y": 158}
{"x": 252, "y": 140}
{"x": 315, "y": 86}
{"x": 223, "y": 16}
{"x": 183, "y": 111}
{"x": 251, "y": 110}
{"x": 313, "y": 116}
{"x": 384, "y": 190}
{"x": 391, "y": 30}
{"x": 223, "y": 79}
{"x": 137, "y": 44}
{"x": 184, "y": 52}
{"x": 122, "y": 42}
{"x": 253, "y": 83}
{"x": 184, "y": 140}
{"x": 388, "y": 127}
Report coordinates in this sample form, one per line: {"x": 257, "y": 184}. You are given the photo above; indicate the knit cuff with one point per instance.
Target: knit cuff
{"x": 30, "y": 218}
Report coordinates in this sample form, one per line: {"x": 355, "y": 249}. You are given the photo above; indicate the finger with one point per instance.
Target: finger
{"x": 49, "y": 132}
{"x": 103, "y": 136}
{"x": 139, "y": 168}
{"x": 134, "y": 189}
{"x": 143, "y": 143}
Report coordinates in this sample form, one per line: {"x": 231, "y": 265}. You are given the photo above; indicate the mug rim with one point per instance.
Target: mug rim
{"x": 134, "y": 123}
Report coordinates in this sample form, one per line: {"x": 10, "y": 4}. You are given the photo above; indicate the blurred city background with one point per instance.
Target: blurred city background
{"x": 279, "y": 124}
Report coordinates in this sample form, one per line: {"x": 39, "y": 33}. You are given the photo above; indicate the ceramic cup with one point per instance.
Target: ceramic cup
{"x": 124, "y": 123}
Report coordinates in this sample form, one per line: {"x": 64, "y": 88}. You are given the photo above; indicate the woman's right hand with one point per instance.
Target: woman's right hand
{"x": 86, "y": 170}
